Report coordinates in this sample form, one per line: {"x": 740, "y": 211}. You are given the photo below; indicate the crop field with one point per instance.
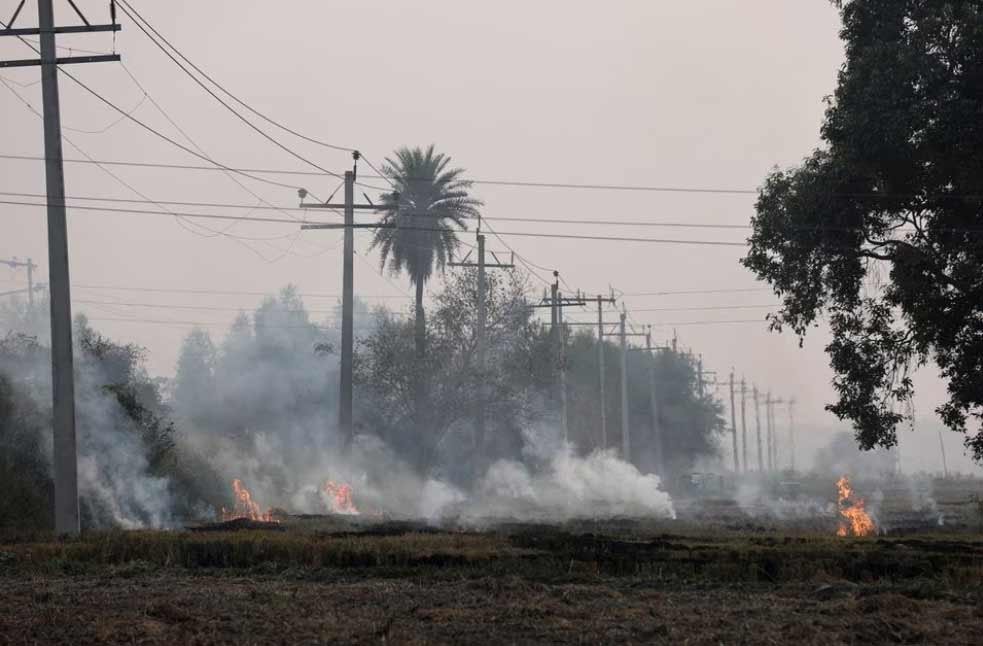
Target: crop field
{"x": 326, "y": 580}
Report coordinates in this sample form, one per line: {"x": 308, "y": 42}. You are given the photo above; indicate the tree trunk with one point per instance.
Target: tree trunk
{"x": 421, "y": 323}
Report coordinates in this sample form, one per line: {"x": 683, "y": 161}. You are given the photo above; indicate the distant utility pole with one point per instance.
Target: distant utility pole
{"x": 791, "y": 432}
{"x": 654, "y": 405}
{"x": 770, "y": 431}
{"x": 556, "y": 302}
{"x": 601, "y": 301}
{"x": 744, "y": 424}
{"x": 733, "y": 424}
{"x": 945, "y": 465}
{"x": 623, "y": 334}
{"x": 345, "y": 407}
{"x": 30, "y": 266}
{"x": 757, "y": 425}
{"x": 65, "y": 453}
{"x": 770, "y": 403}
{"x": 482, "y": 324}
{"x": 625, "y": 427}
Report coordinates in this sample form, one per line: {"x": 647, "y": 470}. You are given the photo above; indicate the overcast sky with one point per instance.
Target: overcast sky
{"x": 701, "y": 94}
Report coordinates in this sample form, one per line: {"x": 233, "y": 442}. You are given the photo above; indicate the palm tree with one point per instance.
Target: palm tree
{"x": 427, "y": 205}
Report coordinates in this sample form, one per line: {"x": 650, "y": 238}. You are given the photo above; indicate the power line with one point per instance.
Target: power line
{"x": 127, "y": 8}
{"x": 190, "y": 227}
{"x": 213, "y": 292}
{"x": 170, "y": 306}
{"x": 708, "y": 308}
{"x": 281, "y": 171}
{"x": 520, "y": 234}
{"x": 285, "y": 209}
{"x": 218, "y": 165}
{"x": 246, "y": 121}
{"x": 686, "y": 292}
{"x": 201, "y": 323}
{"x": 694, "y": 323}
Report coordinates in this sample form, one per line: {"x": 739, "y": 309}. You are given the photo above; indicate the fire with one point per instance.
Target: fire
{"x": 245, "y": 506}
{"x": 338, "y": 498}
{"x": 854, "y": 520}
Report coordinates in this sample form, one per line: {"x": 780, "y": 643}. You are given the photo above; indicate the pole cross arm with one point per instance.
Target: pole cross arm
{"x": 73, "y": 29}
{"x": 370, "y": 225}
{"x": 29, "y": 62}
{"x": 357, "y": 207}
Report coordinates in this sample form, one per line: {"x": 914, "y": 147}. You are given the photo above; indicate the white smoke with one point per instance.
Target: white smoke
{"x": 554, "y": 483}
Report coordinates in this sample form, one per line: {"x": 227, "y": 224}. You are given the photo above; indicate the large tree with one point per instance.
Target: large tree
{"x": 428, "y": 205}
{"x": 879, "y": 231}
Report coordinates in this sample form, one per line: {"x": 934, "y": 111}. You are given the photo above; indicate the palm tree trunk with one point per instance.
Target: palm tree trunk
{"x": 421, "y": 323}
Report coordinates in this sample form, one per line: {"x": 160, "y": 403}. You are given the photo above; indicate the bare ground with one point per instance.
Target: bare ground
{"x": 487, "y": 588}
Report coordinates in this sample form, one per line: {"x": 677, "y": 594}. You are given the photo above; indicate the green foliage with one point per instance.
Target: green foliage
{"x": 518, "y": 383}
{"x": 427, "y": 201}
{"x": 896, "y": 189}
{"x": 24, "y": 470}
{"x": 388, "y": 373}
{"x": 689, "y": 424}
{"x": 125, "y": 436}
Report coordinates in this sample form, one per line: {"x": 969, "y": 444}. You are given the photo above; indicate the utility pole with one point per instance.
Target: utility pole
{"x": 791, "y": 432}
{"x": 601, "y": 367}
{"x": 945, "y": 465}
{"x": 654, "y": 405}
{"x": 733, "y": 424}
{"x": 757, "y": 425}
{"x": 770, "y": 431}
{"x": 625, "y": 432}
{"x": 699, "y": 376}
{"x": 481, "y": 327}
{"x": 345, "y": 408}
{"x": 65, "y": 452}
{"x": 30, "y": 267}
{"x": 744, "y": 424}
{"x": 556, "y": 302}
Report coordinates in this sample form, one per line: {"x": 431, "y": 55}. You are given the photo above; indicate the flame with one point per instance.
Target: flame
{"x": 338, "y": 498}
{"x": 245, "y": 506}
{"x": 854, "y": 520}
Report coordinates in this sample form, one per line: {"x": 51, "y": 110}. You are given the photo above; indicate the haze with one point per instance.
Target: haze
{"x": 702, "y": 94}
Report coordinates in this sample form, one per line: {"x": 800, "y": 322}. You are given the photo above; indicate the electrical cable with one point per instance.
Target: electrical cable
{"x": 127, "y": 8}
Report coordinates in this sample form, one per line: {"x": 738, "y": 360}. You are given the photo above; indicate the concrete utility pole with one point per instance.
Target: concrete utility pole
{"x": 481, "y": 327}
{"x": 345, "y": 407}
{"x": 774, "y": 434}
{"x": 30, "y": 267}
{"x": 65, "y": 455}
{"x": 733, "y": 424}
{"x": 945, "y": 465}
{"x": 770, "y": 431}
{"x": 791, "y": 432}
{"x": 744, "y": 424}
{"x": 556, "y": 302}
{"x": 757, "y": 425}
{"x": 625, "y": 432}
{"x": 654, "y": 405}
{"x": 562, "y": 361}
{"x": 601, "y": 367}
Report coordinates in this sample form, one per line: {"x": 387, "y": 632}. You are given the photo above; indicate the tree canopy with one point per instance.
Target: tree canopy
{"x": 880, "y": 231}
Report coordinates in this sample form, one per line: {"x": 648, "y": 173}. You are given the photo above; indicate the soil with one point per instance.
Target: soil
{"x": 395, "y": 584}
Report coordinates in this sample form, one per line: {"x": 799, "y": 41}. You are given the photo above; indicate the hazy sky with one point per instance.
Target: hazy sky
{"x": 704, "y": 93}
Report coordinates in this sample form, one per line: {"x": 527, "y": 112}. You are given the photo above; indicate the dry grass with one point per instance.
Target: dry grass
{"x": 519, "y": 584}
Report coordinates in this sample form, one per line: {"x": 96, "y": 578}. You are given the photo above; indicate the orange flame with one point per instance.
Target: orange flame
{"x": 338, "y": 498}
{"x": 854, "y": 520}
{"x": 245, "y": 506}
